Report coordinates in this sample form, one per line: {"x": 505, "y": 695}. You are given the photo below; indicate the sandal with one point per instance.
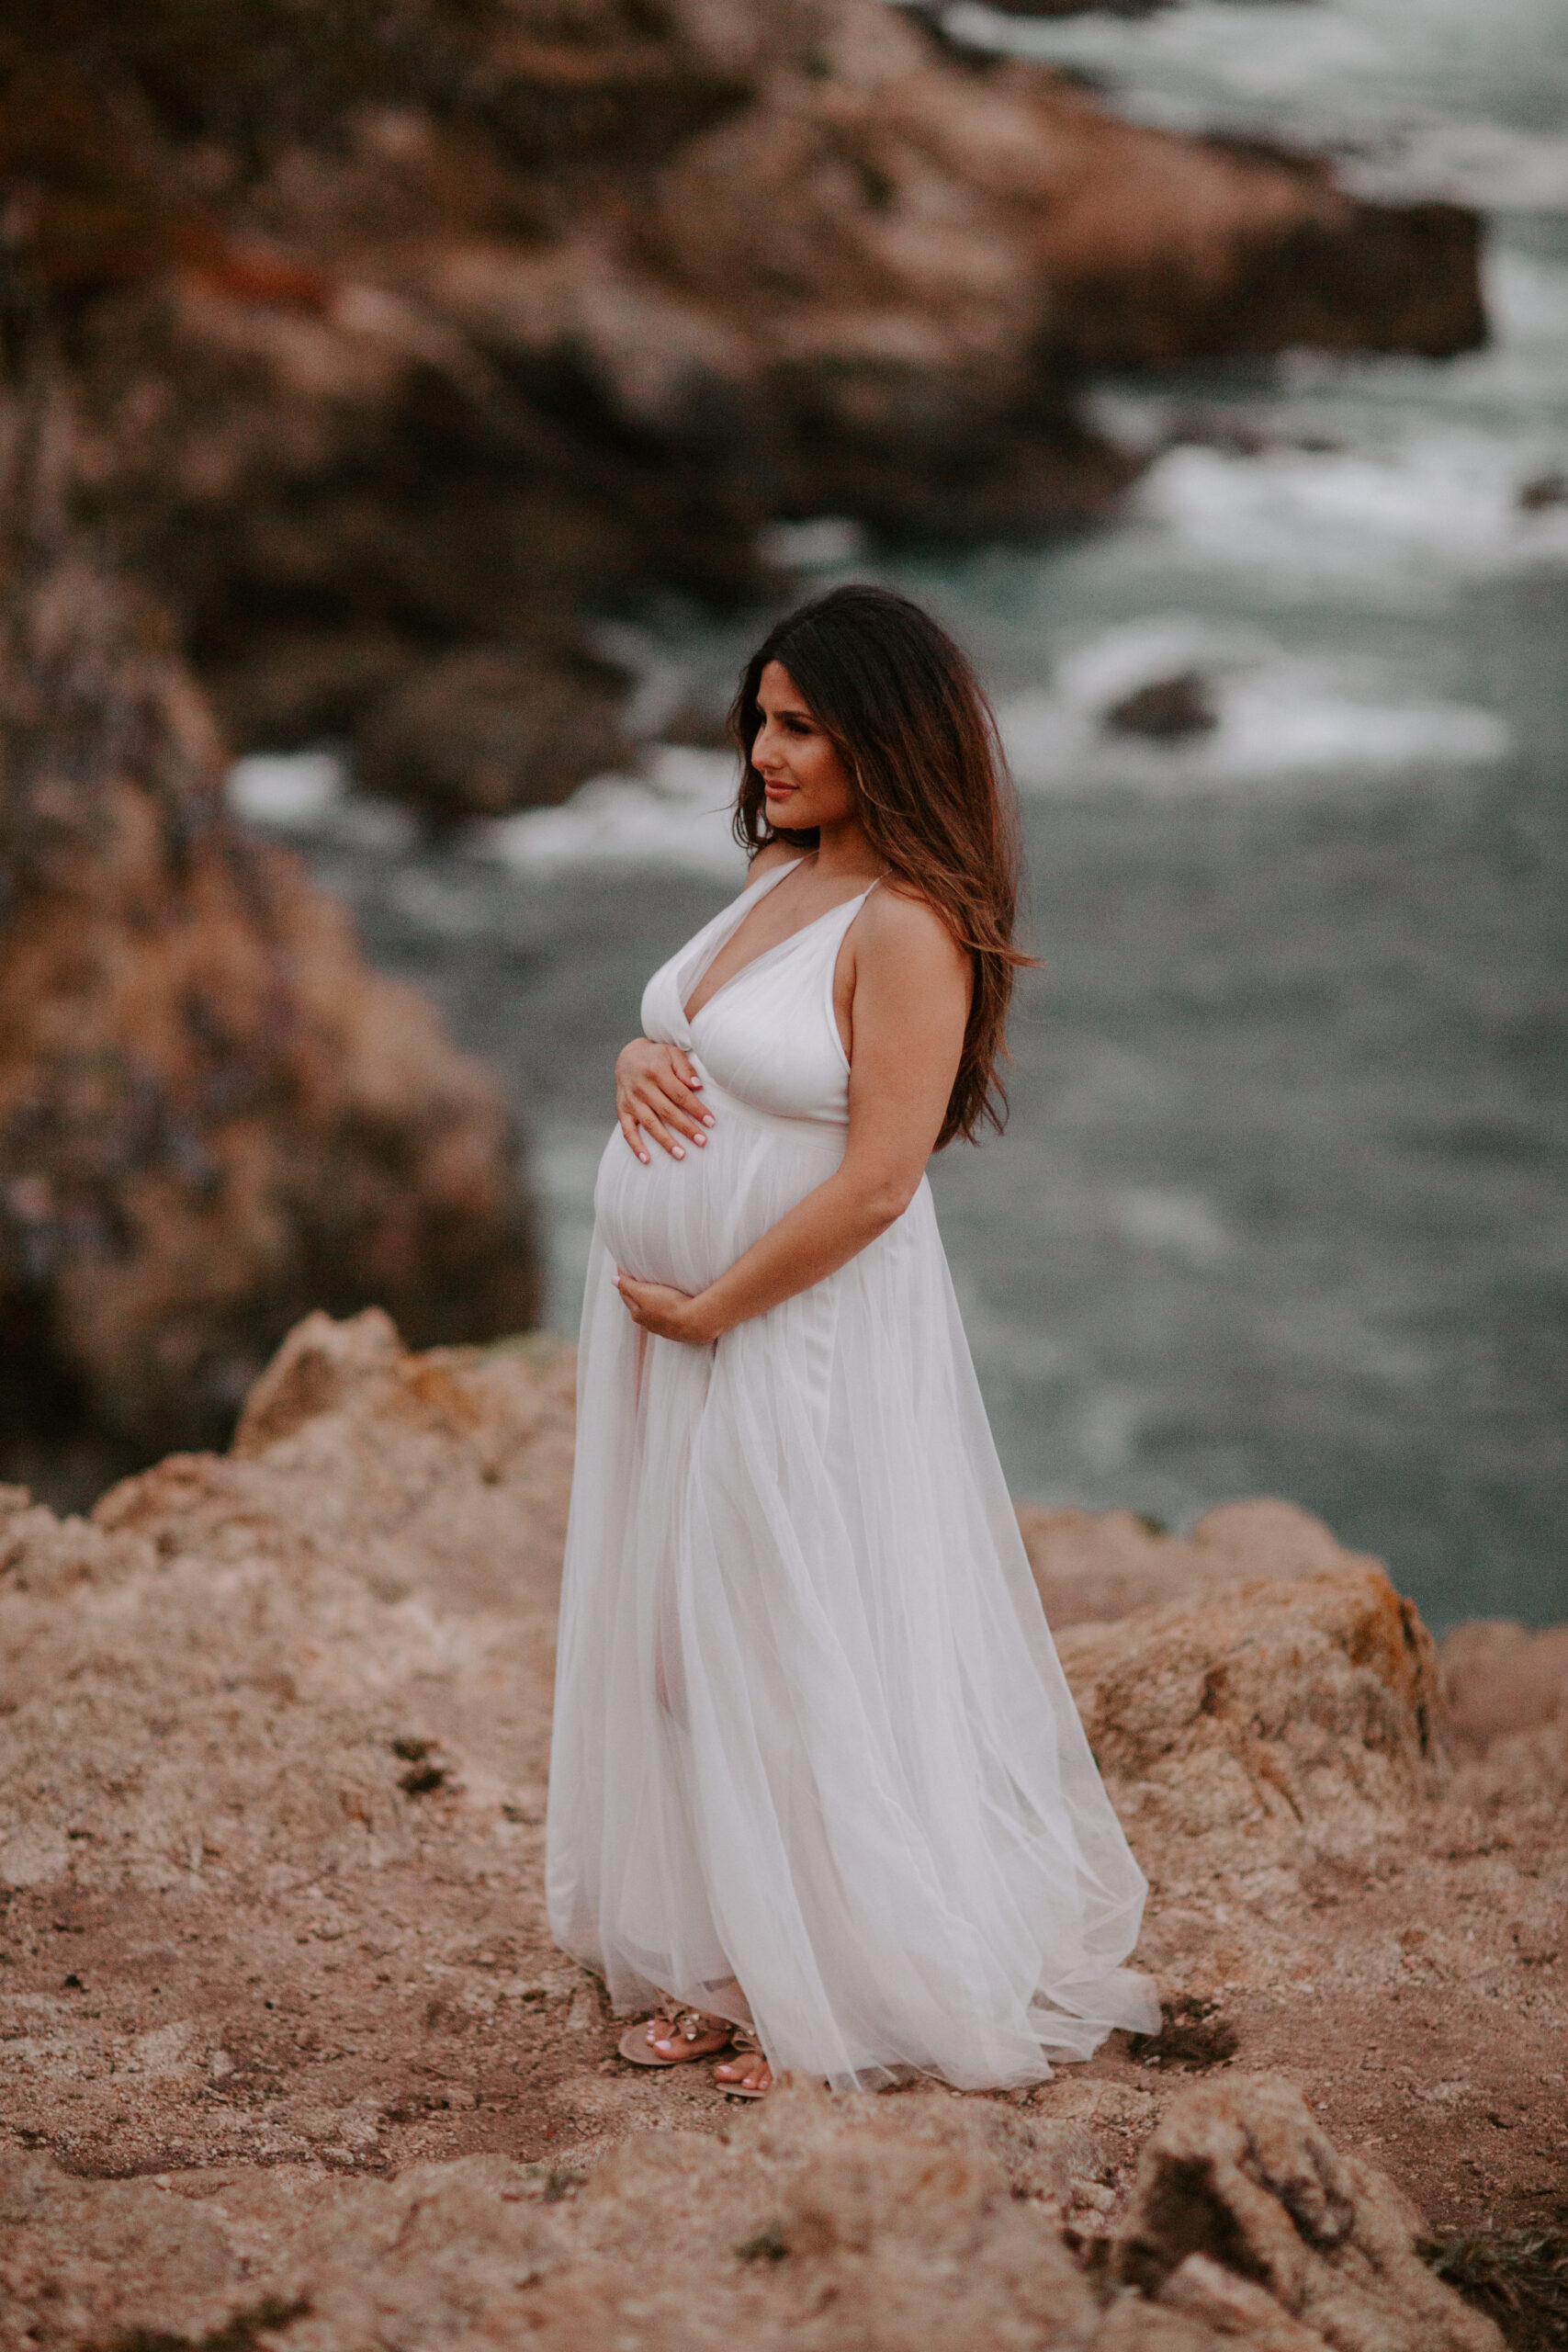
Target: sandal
{"x": 744, "y": 2044}
{"x": 690, "y": 2026}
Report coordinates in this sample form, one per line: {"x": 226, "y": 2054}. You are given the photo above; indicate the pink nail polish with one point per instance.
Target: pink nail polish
{"x": 677, "y": 1153}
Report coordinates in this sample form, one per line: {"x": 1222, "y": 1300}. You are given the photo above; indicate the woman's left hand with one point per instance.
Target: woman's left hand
{"x": 668, "y": 1313}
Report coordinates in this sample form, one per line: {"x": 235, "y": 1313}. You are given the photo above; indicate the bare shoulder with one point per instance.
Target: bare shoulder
{"x": 905, "y": 936}
{"x": 770, "y": 856}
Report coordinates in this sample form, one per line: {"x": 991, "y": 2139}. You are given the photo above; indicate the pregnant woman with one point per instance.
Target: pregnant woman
{"x": 818, "y": 1793}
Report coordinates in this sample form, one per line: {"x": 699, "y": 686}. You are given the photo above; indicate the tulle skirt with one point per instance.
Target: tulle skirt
{"x": 815, "y": 1766}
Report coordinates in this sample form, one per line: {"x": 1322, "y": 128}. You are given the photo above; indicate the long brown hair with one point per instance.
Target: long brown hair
{"x": 901, "y": 703}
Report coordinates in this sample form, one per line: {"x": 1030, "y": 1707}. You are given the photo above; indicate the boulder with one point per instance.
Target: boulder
{"x": 488, "y": 729}
{"x": 213, "y": 1115}
{"x": 1095, "y": 1567}
{"x": 1246, "y": 2218}
{"x": 1167, "y": 710}
{"x": 1503, "y": 1681}
{"x": 1254, "y": 1726}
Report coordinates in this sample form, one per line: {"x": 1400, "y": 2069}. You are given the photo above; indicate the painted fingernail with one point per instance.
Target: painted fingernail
{"x": 707, "y": 1118}
{"x": 677, "y": 1153}
{"x": 643, "y": 1157}
{"x": 699, "y": 1140}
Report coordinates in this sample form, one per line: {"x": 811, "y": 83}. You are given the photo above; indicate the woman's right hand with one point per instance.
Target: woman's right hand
{"x": 656, "y": 1092}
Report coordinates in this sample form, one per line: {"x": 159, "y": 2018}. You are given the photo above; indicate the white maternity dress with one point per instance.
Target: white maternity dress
{"x": 814, "y": 1756}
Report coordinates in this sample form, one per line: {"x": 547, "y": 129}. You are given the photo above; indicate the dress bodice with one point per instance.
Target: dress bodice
{"x": 769, "y": 1036}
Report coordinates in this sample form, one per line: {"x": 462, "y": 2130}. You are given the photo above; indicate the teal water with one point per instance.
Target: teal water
{"x": 1283, "y": 1203}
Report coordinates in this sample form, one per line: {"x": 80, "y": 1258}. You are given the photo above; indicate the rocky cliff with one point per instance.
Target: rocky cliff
{"x": 212, "y": 1115}
{"x": 409, "y": 335}
{"x": 288, "y": 2060}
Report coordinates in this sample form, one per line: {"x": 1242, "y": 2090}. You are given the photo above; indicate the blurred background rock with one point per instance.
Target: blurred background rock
{"x": 402, "y": 333}
{"x": 423, "y": 399}
{"x": 211, "y": 1112}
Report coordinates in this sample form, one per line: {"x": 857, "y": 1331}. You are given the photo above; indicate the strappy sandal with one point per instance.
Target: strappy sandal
{"x": 684, "y": 2025}
{"x": 743, "y": 2044}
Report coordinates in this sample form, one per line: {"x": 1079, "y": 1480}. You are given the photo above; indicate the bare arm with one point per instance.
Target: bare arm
{"x": 910, "y": 1006}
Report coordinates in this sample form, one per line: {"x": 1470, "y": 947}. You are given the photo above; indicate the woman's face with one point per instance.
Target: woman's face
{"x": 805, "y": 781}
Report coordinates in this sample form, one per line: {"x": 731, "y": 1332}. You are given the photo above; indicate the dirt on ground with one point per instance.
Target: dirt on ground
{"x": 287, "y": 2056}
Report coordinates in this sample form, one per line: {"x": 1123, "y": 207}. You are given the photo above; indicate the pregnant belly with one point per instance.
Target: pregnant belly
{"x": 684, "y": 1221}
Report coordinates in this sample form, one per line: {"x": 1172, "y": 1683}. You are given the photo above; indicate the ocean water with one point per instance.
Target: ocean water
{"x": 1282, "y": 1206}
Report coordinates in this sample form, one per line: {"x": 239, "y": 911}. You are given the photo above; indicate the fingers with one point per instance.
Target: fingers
{"x": 636, "y": 1116}
{"x": 658, "y": 1091}
{"x": 680, "y": 1085}
{"x": 676, "y": 1108}
{"x": 654, "y": 1306}
{"x": 654, "y": 1126}
{"x": 641, "y": 1310}
{"x": 688, "y": 1098}
{"x": 689, "y": 1082}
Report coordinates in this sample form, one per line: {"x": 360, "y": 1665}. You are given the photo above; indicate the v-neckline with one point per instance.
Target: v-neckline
{"x": 782, "y": 873}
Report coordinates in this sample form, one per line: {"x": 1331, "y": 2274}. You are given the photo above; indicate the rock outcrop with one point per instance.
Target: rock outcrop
{"x": 411, "y": 333}
{"x": 1311, "y": 2246}
{"x": 1094, "y": 1566}
{"x": 1263, "y": 1725}
{"x": 1503, "y": 1682}
{"x": 213, "y": 1115}
{"x": 287, "y": 2057}
{"x": 825, "y": 2223}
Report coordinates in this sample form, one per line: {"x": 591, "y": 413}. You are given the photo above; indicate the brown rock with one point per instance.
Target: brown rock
{"x": 1503, "y": 1681}
{"x": 1242, "y": 2198}
{"x": 495, "y": 728}
{"x": 530, "y": 307}
{"x": 889, "y": 2227}
{"x": 1259, "y": 1724}
{"x": 908, "y": 2237}
{"x": 1095, "y": 1567}
{"x": 212, "y": 1115}
{"x": 1167, "y": 710}
{"x": 280, "y": 2022}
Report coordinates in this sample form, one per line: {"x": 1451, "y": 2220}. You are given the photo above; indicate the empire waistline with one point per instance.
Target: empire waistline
{"x": 831, "y": 1133}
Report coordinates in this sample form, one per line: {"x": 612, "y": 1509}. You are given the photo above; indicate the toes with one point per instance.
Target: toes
{"x": 751, "y": 2072}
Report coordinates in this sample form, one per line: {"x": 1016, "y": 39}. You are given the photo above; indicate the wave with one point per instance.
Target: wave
{"x": 296, "y": 791}
{"x": 306, "y": 796}
{"x": 1271, "y": 716}
{"x": 675, "y": 813}
{"x": 1464, "y": 500}
{"x": 1427, "y": 97}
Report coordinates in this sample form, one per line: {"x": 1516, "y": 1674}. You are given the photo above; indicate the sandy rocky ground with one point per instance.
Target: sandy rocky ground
{"x": 287, "y": 2058}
